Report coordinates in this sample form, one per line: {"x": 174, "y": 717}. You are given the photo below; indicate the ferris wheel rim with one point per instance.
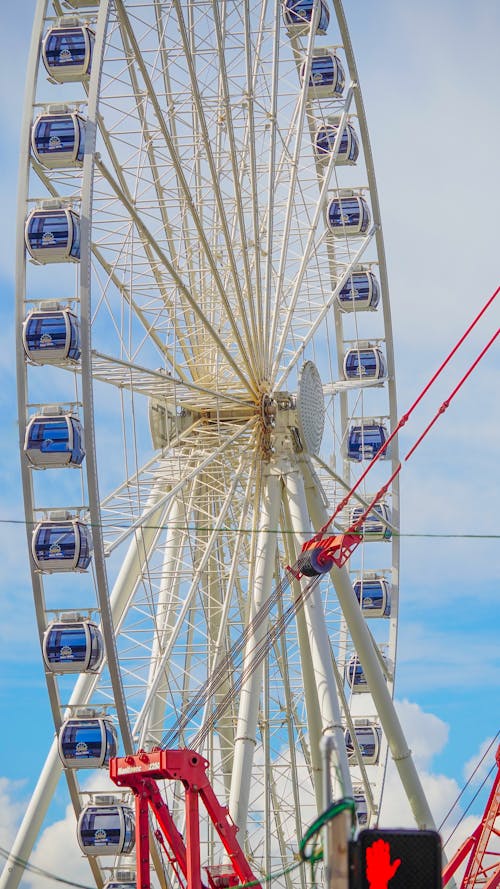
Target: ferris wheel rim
{"x": 87, "y": 364}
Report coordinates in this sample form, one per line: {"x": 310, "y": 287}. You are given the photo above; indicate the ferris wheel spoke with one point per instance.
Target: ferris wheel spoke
{"x": 208, "y": 327}
{"x": 325, "y": 308}
{"x": 147, "y": 315}
{"x": 250, "y": 331}
{"x": 154, "y": 168}
{"x": 253, "y": 50}
{"x": 294, "y": 170}
{"x": 156, "y": 384}
{"x": 246, "y": 300}
{"x": 188, "y": 602}
{"x": 163, "y": 59}
{"x": 152, "y": 307}
{"x": 312, "y": 237}
{"x": 191, "y": 199}
{"x": 116, "y": 505}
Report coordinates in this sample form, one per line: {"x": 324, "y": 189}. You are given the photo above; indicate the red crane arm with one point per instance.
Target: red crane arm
{"x": 483, "y": 865}
{"x": 140, "y": 772}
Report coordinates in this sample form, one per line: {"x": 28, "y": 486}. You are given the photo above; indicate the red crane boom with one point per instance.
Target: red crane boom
{"x": 481, "y": 849}
{"x": 140, "y": 772}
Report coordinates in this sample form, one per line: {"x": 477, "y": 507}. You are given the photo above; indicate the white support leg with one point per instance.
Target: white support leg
{"x": 260, "y": 584}
{"x": 321, "y": 651}
{"x": 152, "y": 729}
{"x": 371, "y": 666}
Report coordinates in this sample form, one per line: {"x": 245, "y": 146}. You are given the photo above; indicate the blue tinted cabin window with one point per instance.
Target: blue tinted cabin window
{"x": 59, "y": 137}
{"x": 360, "y": 291}
{"x": 66, "y": 644}
{"x": 68, "y": 48}
{"x": 364, "y": 364}
{"x": 361, "y": 808}
{"x": 50, "y": 435}
{"x": 54, "y": 441}
{"x": 324, "y": 142}
{"x": 77, "y": 453}
{"x": 101, "y": 828}
{"x": 82, "y": 740}
{"x": 52, "y": 336}
{"x": 111, "y": 748}
{"x": 356, "y": 675}
{"x": 372, "y": 525}
{"x": 73, "y": 648}
{"x": 368, "y": 738}
{"x": 365, "y": 442}
{"x": 74, "y": 341}
{"x": 53, "y": 235}
{"x": 129, "y": 838}
{"x": 56, "y": 545}
{"x": 96, "y": 647}
{"x": 300, "y": 12}
{"x": 348, "y": 214}
{"x": 75, "y": 239}
{"x": 326, "y": 74}
{"x": 106, "y": 830}
{"x": 374, "y": 596}
{"x": 56, "y": 542}
{"x": 47, "y": 230}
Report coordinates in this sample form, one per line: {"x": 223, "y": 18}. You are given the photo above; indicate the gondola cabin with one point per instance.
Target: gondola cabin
{"x": 361, "y": 806}
{"x": 326, "y": 140}
{"x": 106, "y": 827}
{"x": 54, "y": 440}
{"x": 62, "y": 545}
{"x": 360, "y": 293}
{"x": 52, "y": 336}
{"x": 376, "y": 525}
{"x": 348, "y": 215}
{"x": 87, "y": 743}
{"x": 67, "y": 50}
{"x": 58, "y": 140}
{"x": 364, "y": 362}
{"x": 298, "y": 15}
{"x": 53, "y": 235}
{"x": 326, "y": 75}
{"x": 368, "y": 738}
{"x": 373, "y": 592}
{"x": 365, "y": 440}
{"x": 72, "y": 645}
{"x": 355, "y": 675}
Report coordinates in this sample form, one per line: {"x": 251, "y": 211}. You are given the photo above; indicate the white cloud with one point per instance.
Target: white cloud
{"x": 72, "y": 865}
{"x": 427, "y": 736}
{"x": 479, "y": 765}
{"x": 11, "y": 809}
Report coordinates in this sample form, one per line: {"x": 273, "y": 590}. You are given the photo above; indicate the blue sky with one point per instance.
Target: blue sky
{"x": 429, "y": 77}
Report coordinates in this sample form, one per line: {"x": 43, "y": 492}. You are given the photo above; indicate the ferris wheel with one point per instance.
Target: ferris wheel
{"x": 205, "y": 367}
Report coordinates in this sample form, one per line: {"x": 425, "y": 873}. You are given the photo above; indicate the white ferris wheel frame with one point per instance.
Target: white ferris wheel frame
{"x": 294, "y": 489}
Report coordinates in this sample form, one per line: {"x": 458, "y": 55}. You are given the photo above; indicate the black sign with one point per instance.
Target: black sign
{"x": 398, "y": 859}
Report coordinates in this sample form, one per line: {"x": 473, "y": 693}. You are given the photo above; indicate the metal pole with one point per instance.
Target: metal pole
{"x": 336, "y": 835}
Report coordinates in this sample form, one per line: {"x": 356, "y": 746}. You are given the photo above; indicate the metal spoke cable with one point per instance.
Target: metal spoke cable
{"x": 219, "y": 675}
{"x": 258, "y": 654}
